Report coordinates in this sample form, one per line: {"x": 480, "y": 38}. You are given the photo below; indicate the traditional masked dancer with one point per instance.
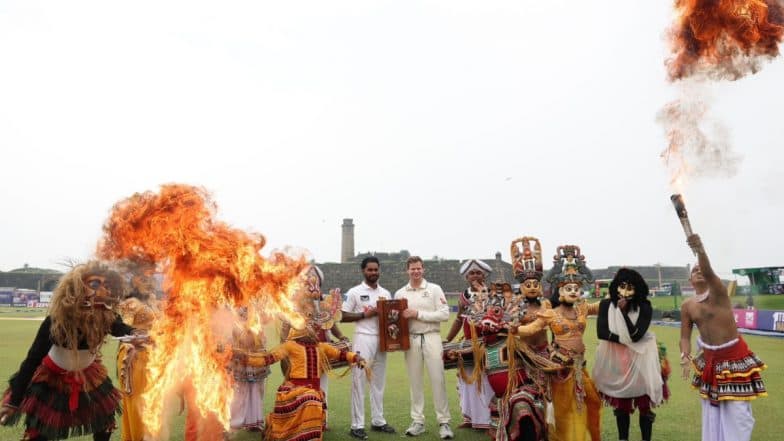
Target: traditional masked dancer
{"x": 526, "y": 255}
{"x": 300, "y": 408}
{"x": 313, "y": 279}
{"x": 474, "y": 398}
{"x": 139, "y": 310}
{"x": 247, "y": 407}
{"x": 727, "y": 373}
{"x": 62, "y": 388}
{"x": 627, "y": 372}
{"x": 576, "y": 403}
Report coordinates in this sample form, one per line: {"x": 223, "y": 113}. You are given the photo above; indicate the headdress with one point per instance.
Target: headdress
{"x": 140, "y": 278}
{"x": 317, "y": 310}
{"x": 317, "y": 271}
{"x": 472, "y": 264}
{"x": 491, "y": 311}
{"x": 527, "y": 262}
{"x": 569, "y": 267}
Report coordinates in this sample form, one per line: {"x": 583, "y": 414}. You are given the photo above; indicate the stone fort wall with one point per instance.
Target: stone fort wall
{"x": 446, "y": 273}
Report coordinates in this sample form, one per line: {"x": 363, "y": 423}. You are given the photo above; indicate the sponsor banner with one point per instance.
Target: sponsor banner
{"x": 776, "y": 320}
{"x": 762, "y": 320}
{"x": 746, "y": 318}
{"x": 765, "y": 321}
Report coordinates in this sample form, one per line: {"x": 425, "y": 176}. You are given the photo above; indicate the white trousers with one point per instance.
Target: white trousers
{"x": 324, "y": 384}
{"x": 247, "y": 408}
{"x": 367, "y": 346}
{"x": 426, "y": 351}
{"x": 474, "y": 404}
{"x": 729, "y": 421}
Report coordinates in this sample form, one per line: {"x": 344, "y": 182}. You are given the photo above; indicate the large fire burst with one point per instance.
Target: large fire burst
{"x": 724, "y": 39}
{"x": 712, "y": 40}
{"x": 208, "y": 268}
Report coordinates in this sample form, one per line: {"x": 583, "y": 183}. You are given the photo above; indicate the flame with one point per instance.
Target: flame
{"x": 724, "y": 39}
{"x": 712, "y": 40}
{"x": 696, "y": 146}
{"x": 208, "y": 267}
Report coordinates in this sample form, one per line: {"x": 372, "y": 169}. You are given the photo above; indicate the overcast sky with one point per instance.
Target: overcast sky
{"x": 442, "y": 127}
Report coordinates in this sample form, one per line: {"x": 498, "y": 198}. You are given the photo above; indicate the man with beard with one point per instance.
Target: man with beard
{"x": 360, "y": 307}
{"x": 474, "y": 400}
{"x": 727, "y": 372}
{"x": 62, "y": 388}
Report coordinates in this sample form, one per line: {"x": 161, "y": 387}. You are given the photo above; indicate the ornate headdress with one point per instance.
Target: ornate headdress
{"x": 569, "y": 267}
{"x": 319, "y": 311}
{"x": 527, "y": 262}
{"x": 497, "y": 308}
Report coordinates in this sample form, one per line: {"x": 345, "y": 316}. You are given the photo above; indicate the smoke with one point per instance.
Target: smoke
{"x": 712, "y": 40}
{"x": 697, "y": 145}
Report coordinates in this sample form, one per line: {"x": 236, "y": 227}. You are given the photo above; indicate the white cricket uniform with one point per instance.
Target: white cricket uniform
{"x": 366, "y": 339}
{"x": 426, "y": 350}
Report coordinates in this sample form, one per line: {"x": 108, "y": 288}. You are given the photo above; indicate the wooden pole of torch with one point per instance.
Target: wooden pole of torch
{"x": 683, "y": 216}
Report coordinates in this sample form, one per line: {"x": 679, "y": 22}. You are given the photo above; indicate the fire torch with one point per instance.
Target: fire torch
{"x": 683, "y": 216}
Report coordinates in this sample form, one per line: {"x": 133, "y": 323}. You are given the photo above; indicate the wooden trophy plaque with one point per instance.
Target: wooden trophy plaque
{"x": 392, "y": 326}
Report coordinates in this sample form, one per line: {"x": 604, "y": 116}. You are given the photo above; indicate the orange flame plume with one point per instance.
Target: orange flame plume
{"x": 208, "y": 267}
{"x": 712, "y": 40}
{"x": 724, "y": 39}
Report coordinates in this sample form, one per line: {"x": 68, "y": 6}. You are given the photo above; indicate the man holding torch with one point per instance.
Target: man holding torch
{"x": 727, "y": 373}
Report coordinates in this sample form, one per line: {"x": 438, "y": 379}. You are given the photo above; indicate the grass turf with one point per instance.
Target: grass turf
{"x": 678, "y": 419}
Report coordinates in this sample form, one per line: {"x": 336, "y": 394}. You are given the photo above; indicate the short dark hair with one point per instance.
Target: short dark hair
{"x": 369, "y": 259}
{"x": 414, "y": 259}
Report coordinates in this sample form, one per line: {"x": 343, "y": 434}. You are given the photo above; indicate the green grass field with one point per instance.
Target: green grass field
{"x": 766, "y": 301}
{"x": 679, "y": 419}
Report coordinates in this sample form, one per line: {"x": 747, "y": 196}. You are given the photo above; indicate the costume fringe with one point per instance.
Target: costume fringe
{"x": 479, "y": 358}
{"x": 46, "y": 404}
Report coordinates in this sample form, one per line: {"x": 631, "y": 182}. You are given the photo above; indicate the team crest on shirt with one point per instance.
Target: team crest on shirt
{"x": 364, "y": 297}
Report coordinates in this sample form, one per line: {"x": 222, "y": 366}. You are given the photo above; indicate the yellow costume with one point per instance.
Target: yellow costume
{"x": 299, "y": 403}
{"x": 575, "y": 400}
{"x": 132, "y": 367}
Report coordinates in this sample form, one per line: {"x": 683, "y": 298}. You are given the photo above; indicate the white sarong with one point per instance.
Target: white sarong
{"x": 629, "y": 369}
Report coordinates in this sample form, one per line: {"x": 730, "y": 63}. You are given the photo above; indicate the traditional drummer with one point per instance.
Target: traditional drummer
{"x": 502, "y": 359}
{"x": 474, "y": 399}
